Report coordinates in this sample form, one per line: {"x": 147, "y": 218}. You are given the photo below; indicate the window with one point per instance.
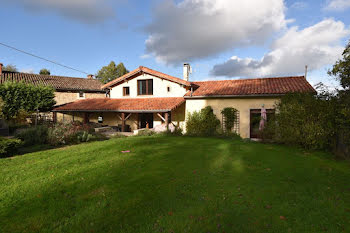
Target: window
{"x": 145, "y": 87}
{"x": 126, "y": 91}
{"x": 168, "y": 88}
{"x": 81, "y": 95}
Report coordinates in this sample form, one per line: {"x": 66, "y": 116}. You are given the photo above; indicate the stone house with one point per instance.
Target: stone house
{"x": 67, "y": 89}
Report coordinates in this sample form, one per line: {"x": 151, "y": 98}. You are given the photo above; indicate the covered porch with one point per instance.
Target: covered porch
{"x": 125, "y": 115}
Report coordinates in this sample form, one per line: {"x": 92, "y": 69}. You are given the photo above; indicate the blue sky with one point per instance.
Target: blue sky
{"x": 222, "y": 39}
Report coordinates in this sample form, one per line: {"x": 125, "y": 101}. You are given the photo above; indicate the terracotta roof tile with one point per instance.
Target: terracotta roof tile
{"x": 146, "y": 70}
{"x": 259, "y": 86}
{"x": 57, "y": 82}
{"x": 123, "y": 105}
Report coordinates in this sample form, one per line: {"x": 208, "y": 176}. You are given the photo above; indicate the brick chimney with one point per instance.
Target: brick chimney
{"x": 1, "y": 68}
{"x": 90, "y": 76}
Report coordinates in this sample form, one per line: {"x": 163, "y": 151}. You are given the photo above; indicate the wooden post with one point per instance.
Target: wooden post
{"x": 167, "y": 120}
{"x": 86, "y": 118}
{"x": 54, "y": 117}
{"x": 138, "y": 121}
{"x": 123, "y": 122}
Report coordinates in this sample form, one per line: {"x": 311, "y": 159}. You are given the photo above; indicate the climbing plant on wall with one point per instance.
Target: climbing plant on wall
{"x": 229, "y": 118}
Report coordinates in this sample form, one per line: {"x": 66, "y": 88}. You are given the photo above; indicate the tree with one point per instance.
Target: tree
{"x": 341, "y": 69}
{"x": 10, "y": 68}
{"x": 44, "y": 71}
{"x": 20, "y": 98}
{"x": 111, "y": 72}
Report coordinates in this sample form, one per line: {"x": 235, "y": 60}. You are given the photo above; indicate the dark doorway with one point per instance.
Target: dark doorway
{"x": 255, "y": 117}
{"x": 146, "y": 118}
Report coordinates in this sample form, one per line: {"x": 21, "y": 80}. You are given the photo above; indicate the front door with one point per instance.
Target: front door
{"x": 255, "y": 117}
{"x": 146, "y": 118}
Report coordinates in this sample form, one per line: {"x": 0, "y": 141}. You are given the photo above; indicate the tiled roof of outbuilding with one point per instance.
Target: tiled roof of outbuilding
{"x": 251, "y": 87}
{"x": 57, "y": 82}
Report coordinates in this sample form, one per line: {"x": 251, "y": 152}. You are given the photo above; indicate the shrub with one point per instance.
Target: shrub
{"x": 202, "y": 123}
{"x": 9, "y": 146}
{"x": 70, "y": 133}
{"x": 305, "y": 120}
{"x": 146, "y": 132}
{"x": 84, "y": 136}
{"x": 176, "y": 132}
{"x": 34, "y": 135}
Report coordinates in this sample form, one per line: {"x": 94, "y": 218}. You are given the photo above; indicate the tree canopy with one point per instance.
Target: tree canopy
{"x": 10, "y": 68}
{"x": 44, "y": 71}
{"x": 341, "y": 69}
{"x": 111, "y": 72}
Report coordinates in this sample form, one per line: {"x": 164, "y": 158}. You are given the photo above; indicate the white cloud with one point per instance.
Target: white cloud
{"x": 27, "y": 70}
{"x": 315, "y": 46}
{"x": 194, "y": 29}
{"x": 338, "y": 5}
{"x": 299, "y": 5}
{"x": 86, "y": 11}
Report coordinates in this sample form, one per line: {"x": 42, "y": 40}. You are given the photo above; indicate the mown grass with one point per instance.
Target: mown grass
{"x": 174, "y": 184}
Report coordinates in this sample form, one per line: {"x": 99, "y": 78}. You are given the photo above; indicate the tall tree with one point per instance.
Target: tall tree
{"x": 44, "y": 71}
{"x": 111, "y": 72}
{"x": 10, "y": 68}
{"x": 341, "y": 69}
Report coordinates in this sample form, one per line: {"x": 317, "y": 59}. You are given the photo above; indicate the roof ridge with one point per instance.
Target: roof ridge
{"x": 243, "y": 79}
{"x": 150, "y": 71}
{"x": 45, "y": 75}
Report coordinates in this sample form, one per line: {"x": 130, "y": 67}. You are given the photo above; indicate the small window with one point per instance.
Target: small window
{"x": 168, "y": 88}
{"x": 126, "y": 91}
{"x": 81, "y": 95}
{"x": 145, "y": 87}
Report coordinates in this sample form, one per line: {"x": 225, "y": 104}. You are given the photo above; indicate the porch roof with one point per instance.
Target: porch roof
{"x": 122, "y": 105}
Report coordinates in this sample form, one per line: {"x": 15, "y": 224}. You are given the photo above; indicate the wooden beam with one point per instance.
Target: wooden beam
{"x": 123, "y": 122}
{"x": 119, "y": 117}
{"x": 128, "y": 116}
{"x": 161, "y": 117}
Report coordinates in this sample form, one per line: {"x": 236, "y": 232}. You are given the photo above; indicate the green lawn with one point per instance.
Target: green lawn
{"x": 174, "y": 184}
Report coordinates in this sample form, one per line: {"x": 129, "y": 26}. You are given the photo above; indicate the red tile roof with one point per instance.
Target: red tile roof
{"x": 123, "y": 105}
{"x": 57, "y": 82}
{"x": 146, "y": 70}
{"x": 251, "y": 87}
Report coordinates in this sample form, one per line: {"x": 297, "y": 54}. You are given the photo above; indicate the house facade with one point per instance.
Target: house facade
{"x": 145, "y": 98}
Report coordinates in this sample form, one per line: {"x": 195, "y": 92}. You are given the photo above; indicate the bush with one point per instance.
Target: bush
{"x": 9, "y": 146}
{"x": 202, "y": 123}
{"x": 146, "y": 132}
{"x": 34, "y": 135}
{"x": 71, "y": 133}
{"x": 177, "y": 132}
{"x": 305, "y": 120}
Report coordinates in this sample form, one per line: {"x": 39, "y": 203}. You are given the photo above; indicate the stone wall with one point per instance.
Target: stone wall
{"x": 67, "y": 97}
